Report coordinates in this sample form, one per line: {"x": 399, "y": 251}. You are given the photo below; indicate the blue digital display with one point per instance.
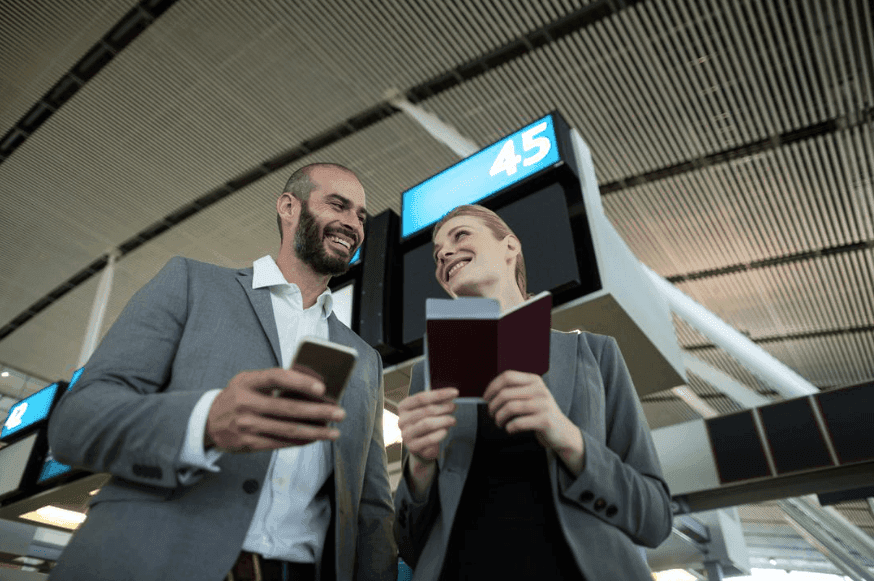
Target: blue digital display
{"x": 511, "y": 160}
{"x": 76, "y": 375}
{"x": 29, "y": 411}
{"x": 52, "y": 468}
{"x": 356, "y": 257}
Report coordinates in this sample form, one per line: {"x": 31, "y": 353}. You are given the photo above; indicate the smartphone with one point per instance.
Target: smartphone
{"x": 329, "y": 362}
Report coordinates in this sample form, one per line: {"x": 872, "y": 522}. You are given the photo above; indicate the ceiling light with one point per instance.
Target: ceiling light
{"x": 772, "y": 561}
{"x": 674, "y": 575}
{"x": 391, "y": 433}
{"x": 4, "y": 374}
{"x": 59, "y": 517}
{"x": 28, "y": 560}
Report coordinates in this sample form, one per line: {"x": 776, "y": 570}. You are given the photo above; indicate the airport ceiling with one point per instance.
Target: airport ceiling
{"x": 733, "y": 142}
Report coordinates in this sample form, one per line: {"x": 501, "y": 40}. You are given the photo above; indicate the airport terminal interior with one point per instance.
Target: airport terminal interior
{"x": 716, "y": 157}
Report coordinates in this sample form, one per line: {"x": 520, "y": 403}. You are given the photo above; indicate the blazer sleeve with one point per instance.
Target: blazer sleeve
{"x": 377, "y": 551}
{"x": 415, "y": 515}
{"x": 119, "y": 418}
{"x": 621, "y": 482}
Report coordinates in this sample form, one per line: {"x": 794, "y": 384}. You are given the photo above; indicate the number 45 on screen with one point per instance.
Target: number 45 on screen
{"x": 508, "y": 160}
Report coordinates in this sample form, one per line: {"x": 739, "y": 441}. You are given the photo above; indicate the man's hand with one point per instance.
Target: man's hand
{"x": 521, "y": 402}
{"x": 258, "y": 411}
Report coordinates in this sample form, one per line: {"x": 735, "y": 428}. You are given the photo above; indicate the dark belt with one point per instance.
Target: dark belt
{"x": 254, "y": 567}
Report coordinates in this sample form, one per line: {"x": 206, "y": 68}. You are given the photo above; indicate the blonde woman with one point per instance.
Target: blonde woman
{"x": 555, "y": 477}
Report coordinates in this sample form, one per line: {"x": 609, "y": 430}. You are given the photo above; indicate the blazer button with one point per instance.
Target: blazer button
{"x": 611, "y": 511}
{"x": 587, "y": 496}
{"x": 250, "y": 486}
{"x": 600, "y": 504}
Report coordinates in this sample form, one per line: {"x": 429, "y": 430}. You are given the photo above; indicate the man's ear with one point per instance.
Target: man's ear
{"x": 287, "y": 206}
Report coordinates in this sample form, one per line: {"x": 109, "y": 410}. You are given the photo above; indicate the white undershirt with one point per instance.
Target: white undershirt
{"x": 290, "y": 521}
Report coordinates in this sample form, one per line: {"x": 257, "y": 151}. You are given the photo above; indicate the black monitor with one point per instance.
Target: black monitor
{"x": 19, "y": 465}
{"x": 554, "y": 260}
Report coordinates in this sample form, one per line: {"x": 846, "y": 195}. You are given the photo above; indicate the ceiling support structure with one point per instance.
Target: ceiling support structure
{"x": 436, "y": 127}
{"x": 98, "y": 309}
{"x": 818, "y": 533}
{"x": 764, "y": 365}
{"x": 714, "y": 571}
{"x": 827, "y": 530}
{"x": 850, "y": 534}
{"x": 734, "y": 389}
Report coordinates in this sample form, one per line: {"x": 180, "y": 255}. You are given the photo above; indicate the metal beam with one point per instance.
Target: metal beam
{"x": 436, "y": 127}
{"x": 734, "y": 389}
{"x": 818, "y": 533}
{"x": 770, "y": 369}
{"x": 98, "y": 309}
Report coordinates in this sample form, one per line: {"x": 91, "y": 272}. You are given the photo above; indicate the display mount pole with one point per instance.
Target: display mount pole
{"x": 98, "y": 309}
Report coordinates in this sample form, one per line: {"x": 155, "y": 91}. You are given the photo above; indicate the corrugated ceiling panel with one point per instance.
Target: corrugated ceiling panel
{"x": 721, "y": 360}
{"x": 825, "y": 293}
{"x": 40, "y": 41}
{"x": 661, "y": 411}
{"x": 811, "y": 195}
{"x": 857, "y": 512}
{"x": 49, "y": 344}
{"x": 831, "y": 361}
{"x": 204, "y": 94}
{"x": 232, "y": 232}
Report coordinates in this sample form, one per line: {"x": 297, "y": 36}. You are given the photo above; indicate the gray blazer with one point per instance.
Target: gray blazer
{"x": 191, "y": 329}
{"x": 620, "y": 499}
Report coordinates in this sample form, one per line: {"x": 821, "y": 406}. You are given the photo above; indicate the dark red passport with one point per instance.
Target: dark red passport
{"x": 469, "y": 342}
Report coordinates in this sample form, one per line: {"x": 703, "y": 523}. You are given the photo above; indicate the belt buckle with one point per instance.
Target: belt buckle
{"x": 258, "y": 574}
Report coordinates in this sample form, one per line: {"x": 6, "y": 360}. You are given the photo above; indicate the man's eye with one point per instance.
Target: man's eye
{"x": 458, "y": 235}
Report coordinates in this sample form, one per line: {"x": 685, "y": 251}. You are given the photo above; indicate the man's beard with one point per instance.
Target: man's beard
{"x": 310, "y": 247}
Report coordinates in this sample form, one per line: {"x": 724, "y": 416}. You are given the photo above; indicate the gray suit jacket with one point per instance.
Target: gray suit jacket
{"x": 620, "y": 499}
{"x": 191, "y": 329}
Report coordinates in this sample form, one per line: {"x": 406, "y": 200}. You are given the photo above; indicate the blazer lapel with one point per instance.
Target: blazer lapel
{"x": 561, "y": 377}
{"x": 260, "y": 299}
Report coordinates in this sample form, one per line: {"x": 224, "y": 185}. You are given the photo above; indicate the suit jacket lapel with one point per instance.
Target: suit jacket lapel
{"x": 260, "y": 299}
{"x": 561, "y": 377}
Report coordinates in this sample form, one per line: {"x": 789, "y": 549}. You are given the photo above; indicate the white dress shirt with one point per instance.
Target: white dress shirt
{"x": 290, "y": 521}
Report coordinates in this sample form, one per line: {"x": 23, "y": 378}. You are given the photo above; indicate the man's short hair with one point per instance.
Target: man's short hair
{"x": 301, "y": 186}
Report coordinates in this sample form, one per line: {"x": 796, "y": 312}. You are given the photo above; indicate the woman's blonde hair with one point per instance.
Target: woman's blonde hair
{"x": 499, "y": 229}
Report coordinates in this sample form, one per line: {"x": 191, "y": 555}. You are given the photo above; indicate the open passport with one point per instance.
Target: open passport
{"x": 469, "y": 342}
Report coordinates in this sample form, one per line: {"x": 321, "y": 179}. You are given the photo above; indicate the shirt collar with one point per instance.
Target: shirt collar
{"x": 266, "y": 273}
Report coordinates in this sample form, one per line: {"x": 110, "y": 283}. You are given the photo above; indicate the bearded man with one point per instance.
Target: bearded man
{"x": 213, "y": 477}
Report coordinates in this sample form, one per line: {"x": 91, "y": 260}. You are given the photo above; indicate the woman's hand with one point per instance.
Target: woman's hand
{"x": 425, "y": 420}
{"x": 521, "y": 402}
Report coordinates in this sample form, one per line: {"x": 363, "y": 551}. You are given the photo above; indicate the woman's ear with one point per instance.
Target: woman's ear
{"x": 514, "y": 247}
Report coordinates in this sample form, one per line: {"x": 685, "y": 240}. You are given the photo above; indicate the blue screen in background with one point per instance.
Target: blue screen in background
{"x": 356, "y": 257}
{"x": 484, "y": 173}
{"x": 76, "y": 375}
{"x": 52, "y": 468}
{"x": 29, "y": 411}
